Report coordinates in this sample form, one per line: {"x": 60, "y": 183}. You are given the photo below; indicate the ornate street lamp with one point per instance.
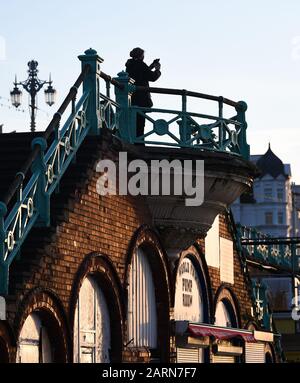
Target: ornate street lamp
{"x": 16, "y": 95}
{"x": 32, "y": 85}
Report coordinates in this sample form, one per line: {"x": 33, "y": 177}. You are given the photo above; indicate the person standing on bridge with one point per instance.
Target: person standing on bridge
{"x": 138, "y": 70}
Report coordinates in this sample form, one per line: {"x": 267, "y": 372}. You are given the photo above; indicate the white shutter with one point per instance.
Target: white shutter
{"x": 226, "y": 261}
{"x": 189, "y": 355}
{"x": 255, "y": 353}
{"x": 212, "y": 245}
{"x": 142, "y": 318}
{"x": 223, "y": 359}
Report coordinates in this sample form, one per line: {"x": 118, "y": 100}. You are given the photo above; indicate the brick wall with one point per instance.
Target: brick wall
{"x": 48, "y": 274}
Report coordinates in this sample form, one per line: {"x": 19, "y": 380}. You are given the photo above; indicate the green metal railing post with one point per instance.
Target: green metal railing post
{"x": 91, "y": 84}
{"x": 127, "y": 122}
{"x": 184, "y": 130}
{"x": 281, "y": 255}
{"x": 294, "y": 258}
{"x": 42, "y": 197}
{"x": 242, "y": 137}
{"x": 221, "y": 128}
{"x": 3, "y": 264}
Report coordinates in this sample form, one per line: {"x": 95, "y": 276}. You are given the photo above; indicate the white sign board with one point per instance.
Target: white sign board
{"x": 188, "y": 294}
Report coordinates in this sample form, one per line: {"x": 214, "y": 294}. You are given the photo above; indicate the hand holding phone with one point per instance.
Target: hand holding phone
{"x": 156, "y": 64}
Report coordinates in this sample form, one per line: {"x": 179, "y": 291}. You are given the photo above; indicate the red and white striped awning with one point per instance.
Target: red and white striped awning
{"x": 222, "y": 333}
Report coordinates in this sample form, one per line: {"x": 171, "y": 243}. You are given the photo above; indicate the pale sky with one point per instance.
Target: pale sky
{"x": 241, "y": 50}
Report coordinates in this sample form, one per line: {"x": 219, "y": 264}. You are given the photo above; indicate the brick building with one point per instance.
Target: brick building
{"x": 119, "y": 277}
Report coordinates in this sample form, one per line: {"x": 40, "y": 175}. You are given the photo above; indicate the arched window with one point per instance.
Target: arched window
{"x": 224, "y": 314}
{"x": 142, "y": 315}
{"x": 34, "y": 345}
{"x": 91, "y": 325}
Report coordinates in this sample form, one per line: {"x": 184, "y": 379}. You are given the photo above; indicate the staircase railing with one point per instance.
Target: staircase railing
{"x": 27, "y": 201}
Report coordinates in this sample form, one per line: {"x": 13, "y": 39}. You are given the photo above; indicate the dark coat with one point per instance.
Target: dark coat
{"x": 142, "y": 74}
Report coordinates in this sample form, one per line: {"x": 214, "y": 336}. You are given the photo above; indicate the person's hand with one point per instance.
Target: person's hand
{"x": 157, "y": 66}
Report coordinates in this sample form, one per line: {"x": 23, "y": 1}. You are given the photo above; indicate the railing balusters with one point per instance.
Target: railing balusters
{"x": 184, "y": 134}
{"x": 19, "y": 201}
{"x": 221, "y": 128}
{"x": 107, "y": 82}
{"x": 242, "y": 138}
{"x": 279, "y": 252}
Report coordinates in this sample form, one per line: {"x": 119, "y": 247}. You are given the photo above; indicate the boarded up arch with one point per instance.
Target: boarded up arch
{"x": 101, "y": 270}
{"x": 46, "y": 312}
{"x": 147, "y": 252}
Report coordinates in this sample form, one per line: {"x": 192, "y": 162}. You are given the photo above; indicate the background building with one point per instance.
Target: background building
{"x": 270, "y": 207}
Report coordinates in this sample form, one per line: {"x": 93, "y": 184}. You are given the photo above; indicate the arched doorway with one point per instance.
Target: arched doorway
{"x": 34, "y": 345}
{"x": 92, "y": 330}
{"x": 142, "y": 311}
{"x": 226, "y": 350}
{"x": 149, "y": 295}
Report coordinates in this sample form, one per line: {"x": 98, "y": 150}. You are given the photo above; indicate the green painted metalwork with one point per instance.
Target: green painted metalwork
{"x": 279, "y": 252}
{"x": 184, "y": 128}
{"x": 47, "y": 168}
{"x": 91, "y": 85}
{"x": 53, "y": 153}
{"x": 263, "y": 313}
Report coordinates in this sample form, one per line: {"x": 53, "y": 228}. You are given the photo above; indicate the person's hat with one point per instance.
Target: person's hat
{"x": 136, "y": 53}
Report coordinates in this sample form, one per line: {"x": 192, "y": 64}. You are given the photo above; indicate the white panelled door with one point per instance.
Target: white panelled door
{"x": 91, "y": 325}
{"x": 34, "y": 344}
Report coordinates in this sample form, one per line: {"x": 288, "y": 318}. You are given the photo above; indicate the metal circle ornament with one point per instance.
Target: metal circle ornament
{"x": 50, "y": 174}
{"x": 10, "y": 241}
{"x": 67, "y": 146}
{"x": 161, "y": 127}
{"x": 30, "y": 207}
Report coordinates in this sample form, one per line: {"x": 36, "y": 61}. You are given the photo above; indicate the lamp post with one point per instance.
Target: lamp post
{"x": 32, "y": 85}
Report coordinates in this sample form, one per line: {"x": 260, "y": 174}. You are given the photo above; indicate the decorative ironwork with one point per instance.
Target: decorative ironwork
{"x": 279, "y": 252}
{"x": 66, "y": 143}
{"x": 183, "y": 128}
{"x": 262, "y": 310}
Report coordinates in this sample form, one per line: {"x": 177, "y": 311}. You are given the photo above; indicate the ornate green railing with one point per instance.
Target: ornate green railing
{"x": 184, "y": 127}
{"x": 27, "y": 201}
{"x": 279, "y": 252}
